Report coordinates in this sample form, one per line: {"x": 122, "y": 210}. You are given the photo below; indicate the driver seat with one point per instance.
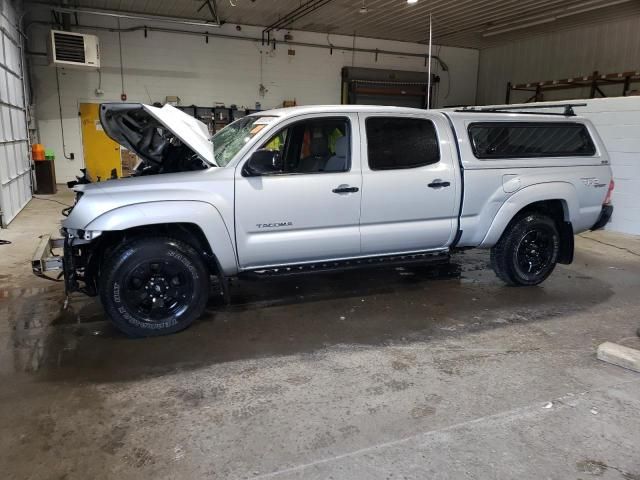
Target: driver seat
{"x": 338, "y": 162}
{"x": 319, "y": 152}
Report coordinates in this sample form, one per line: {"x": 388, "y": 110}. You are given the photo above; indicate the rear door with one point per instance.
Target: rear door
{"x": 410, "y": 189}
{"x": 310, "y": 210}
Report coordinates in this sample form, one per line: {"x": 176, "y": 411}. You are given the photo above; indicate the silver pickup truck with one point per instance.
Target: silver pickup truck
{"x": 323, "y": 187}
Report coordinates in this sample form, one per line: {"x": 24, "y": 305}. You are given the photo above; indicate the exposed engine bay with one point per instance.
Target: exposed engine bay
{"x": 161, "y": 151}
{"x": 160, "y": 148}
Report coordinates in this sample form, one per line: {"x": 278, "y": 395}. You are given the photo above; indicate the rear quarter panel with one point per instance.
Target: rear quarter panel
{"x": 497, "y": 189}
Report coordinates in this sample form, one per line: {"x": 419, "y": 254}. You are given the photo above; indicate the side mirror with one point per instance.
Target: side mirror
{"x": 263, "y": 162}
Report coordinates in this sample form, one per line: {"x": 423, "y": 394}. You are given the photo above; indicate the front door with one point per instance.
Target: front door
{"x": 310, "y": 209}
{"x": 410, "y": 194}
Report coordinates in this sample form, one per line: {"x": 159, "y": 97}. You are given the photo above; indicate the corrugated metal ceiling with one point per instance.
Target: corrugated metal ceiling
{"x": 466, "y": 23}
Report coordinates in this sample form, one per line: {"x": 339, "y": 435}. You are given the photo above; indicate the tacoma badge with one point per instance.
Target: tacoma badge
{"x": 274, "y": 225}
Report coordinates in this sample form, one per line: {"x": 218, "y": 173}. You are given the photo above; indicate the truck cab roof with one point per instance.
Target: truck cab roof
{"x": 458, "y": 113}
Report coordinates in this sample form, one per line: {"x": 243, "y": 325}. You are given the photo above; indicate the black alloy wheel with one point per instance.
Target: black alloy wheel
{"x": 158, "y": 288}
{"x": 527, "y": 252}
{"x": 154, "y": 286}
{"x": 535, "y": 251}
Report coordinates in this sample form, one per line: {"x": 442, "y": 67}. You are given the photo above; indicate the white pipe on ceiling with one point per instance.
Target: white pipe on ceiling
{"x": 134, "y": 16}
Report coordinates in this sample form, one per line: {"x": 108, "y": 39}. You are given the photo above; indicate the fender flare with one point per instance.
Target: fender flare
{"x": 202, "y": 214}
{"x": 563, "y": 191}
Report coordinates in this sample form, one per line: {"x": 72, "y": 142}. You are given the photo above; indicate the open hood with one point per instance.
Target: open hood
{"x": 151, "y": 131}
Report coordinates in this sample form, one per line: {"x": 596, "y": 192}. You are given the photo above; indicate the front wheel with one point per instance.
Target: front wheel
{"x": 528, "y": 250}
{"x": 154, "y": 286}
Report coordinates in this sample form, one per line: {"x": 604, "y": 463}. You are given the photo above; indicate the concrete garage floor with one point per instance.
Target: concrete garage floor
{"x": 420, "y": 373}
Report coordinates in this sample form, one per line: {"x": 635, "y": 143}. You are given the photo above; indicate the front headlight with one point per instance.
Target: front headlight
{"x": 86, "y": 235}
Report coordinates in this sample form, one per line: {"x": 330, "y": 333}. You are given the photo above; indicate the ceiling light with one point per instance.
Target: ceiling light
{"x": 411, "y": 2}
{"x": 363, "y": 8}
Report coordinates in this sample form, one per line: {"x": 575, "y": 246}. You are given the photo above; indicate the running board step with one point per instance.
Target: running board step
{"x": 338, "y": 265}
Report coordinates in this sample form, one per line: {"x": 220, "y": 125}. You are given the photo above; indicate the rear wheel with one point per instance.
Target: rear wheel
{"x": 527, "y": 253}
{"x": 154, "y": 286}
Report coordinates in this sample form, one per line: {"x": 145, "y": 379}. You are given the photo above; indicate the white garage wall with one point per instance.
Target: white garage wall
{"x": 608, "y": 48}
{"x": 618, "y": 122}
{"x": 224, "y": 70}
{"x": 15, "y": 160}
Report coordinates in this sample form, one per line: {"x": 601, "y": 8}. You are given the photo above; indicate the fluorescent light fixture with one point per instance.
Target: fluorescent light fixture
{"x": 411, "y": 2}
{"x": 556, "y": 15}
{"x": 588, "y": 9}
{"x": 518, "y": 27}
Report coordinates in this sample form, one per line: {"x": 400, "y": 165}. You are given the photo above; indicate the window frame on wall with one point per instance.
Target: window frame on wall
{"x": 16, "y": 178}
{"x": 530, "y": 124}
{"x": 377, "y": 137}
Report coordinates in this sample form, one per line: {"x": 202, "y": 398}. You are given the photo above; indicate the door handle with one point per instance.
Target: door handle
{"x": 439, "y": 184}
{"x": 345, "y": 189}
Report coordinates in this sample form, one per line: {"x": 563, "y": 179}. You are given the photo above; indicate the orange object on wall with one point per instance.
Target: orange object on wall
{"x": 37, "y": 152}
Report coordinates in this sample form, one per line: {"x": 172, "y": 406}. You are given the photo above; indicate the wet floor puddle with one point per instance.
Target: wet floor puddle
{"x": 368, "y": 307}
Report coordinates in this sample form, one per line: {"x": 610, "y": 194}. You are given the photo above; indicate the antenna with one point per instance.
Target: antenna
{"x": 429, "y": 69}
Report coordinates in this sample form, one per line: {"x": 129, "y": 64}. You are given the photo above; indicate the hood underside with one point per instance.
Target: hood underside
{"x": 151, "y": 131}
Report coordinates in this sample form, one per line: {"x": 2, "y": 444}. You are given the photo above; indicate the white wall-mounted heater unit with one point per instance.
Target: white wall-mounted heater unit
{"x": 74, "y": 50}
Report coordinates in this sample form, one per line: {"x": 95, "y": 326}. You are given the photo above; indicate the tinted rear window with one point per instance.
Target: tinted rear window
{"x": 398, "y": 142}
{"x": 522, "y": 140}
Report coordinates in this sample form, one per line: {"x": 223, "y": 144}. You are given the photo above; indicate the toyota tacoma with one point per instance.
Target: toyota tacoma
{"x": 323, "y": 187}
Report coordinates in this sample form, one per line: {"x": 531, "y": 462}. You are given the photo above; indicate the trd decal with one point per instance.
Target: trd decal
{"x": 593, "y": 182}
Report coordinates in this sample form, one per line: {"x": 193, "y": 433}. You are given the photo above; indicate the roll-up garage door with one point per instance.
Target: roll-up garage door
{"x": 15, "y": 160}
{"x": 373, "y": 86}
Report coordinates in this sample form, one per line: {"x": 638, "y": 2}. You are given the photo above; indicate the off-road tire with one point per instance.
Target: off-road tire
{"x": 176, "y": 270}
{"x": 505, "y": 254}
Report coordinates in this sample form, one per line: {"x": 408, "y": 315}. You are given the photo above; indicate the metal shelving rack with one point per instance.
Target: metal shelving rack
{"x": 593, "y": 82}
{"x": 215, "y": 118}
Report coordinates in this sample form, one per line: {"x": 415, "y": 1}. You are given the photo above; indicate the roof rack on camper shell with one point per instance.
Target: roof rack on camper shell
{"x": 568, "y": 109}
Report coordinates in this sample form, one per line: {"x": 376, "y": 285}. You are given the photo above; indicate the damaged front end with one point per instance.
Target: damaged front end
{"x": 167, "y": 140}
{"x": 71, "y": 258}
{"x": 74, "y": 257}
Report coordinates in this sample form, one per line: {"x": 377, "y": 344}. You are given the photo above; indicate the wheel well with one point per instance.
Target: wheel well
{"x": 559, "y": 212}
{"x": 555, "y": 209}
{"x": 189, "y": 233}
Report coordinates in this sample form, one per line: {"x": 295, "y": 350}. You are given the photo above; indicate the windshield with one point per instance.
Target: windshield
{"x": 228, "y": 141}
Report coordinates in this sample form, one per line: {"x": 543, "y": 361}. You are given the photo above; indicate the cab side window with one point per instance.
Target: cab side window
{"x": 277, "y": 142}
{"x": 314, "y": 146}
{"x": 398, "y": 142}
